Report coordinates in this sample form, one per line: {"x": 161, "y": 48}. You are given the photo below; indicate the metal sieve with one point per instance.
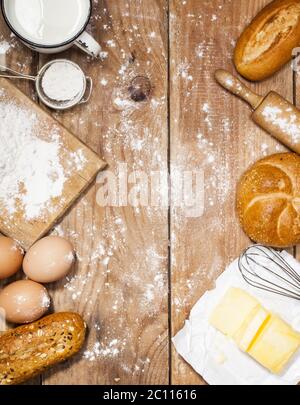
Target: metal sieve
{"x": 81, "y": 98}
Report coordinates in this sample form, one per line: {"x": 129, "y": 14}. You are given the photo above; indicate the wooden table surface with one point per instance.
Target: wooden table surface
{"x": 140, "y": 269}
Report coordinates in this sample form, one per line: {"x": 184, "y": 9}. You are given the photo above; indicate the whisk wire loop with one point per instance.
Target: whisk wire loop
{"x": 265, "y": 268}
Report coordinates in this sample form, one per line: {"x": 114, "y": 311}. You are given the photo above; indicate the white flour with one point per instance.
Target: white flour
{"x": 62, "y": 81}
{"x": 30, "y": 170}
{"x": 4, "y": 47}
{"x": 285, "y": 119}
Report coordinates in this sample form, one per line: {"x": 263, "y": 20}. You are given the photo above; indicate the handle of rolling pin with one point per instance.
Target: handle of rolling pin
{"x": 235, "y": 86}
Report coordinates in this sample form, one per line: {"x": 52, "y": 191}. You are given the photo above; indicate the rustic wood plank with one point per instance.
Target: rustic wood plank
{"x": 211, "y": 131}
{"x": 20, "y": 58}
{"x": 120, "y": 282}
{"x": 123, "y": 250}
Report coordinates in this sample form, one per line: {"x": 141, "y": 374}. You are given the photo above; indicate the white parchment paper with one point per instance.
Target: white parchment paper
{"x": 218, "y": 359}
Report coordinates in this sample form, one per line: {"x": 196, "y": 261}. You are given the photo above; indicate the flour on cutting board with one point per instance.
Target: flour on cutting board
{"x": 31, "y": 172}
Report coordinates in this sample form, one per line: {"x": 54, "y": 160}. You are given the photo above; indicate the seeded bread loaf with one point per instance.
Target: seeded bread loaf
{"x": 268, "y": 200}
{"x": 268, "y": 42}
{"x": 31, "y": 349}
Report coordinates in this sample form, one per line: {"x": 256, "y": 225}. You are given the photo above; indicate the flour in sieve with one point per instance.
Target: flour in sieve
{"x": 30, "y": 170}
{"x": 62, "y": 81}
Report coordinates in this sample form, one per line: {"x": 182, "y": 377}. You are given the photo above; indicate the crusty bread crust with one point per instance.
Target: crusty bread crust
{"x": 268, "y": 200}
{"x": 267, "y": 43}
{"x": 31, "y": 349}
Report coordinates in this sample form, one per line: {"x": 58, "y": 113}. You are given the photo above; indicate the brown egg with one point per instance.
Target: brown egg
{"x": 24, "y": 301}
{"x": 49, "y": 259}
{"x": 11, "y": 257}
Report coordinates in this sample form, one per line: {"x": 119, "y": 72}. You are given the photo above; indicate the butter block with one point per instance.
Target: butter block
{"x": 264, "y": 336}
{"x": 275, "y": 345}
{"x": 233, "y": 310}
{"x": 251, "y": 327}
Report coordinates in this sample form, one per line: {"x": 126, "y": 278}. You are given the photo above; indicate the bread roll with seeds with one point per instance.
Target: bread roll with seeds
{"x": 31, "y": 349}
{"x": 268, "y": 200}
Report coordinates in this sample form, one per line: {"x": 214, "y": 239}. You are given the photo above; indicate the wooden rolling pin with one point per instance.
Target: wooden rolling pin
{"x": 272, "y": 113}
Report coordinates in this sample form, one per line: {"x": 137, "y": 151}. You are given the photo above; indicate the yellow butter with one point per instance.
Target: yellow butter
{"x": 233, "y": 310}
{"x": 265, "y": 337}
{"x": 275, "y": 345}
{"x": 251, "y": 327}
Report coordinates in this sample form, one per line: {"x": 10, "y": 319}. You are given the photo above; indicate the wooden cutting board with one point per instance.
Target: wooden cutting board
{"x": 78, "y": 176}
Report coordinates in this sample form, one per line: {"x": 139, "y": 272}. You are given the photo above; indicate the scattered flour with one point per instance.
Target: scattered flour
{"x": 140, "y": 289}
{"x": 183, "y": 71}
{"x": 104, "y": 82}
{"x": 4, "y": 47}
{"x": 200, "y": 50}
{"x": 285, "y": 120}
{"x": 101, "y": 350}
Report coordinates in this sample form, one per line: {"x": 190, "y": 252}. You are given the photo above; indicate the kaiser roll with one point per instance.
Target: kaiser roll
{"x": 268, "y": 200}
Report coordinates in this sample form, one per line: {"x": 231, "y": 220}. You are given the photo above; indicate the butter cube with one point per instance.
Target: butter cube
{"x": 265, "y": 337}
{"x": 251, "y": 327}
{"x": 234, "y": 310}
{"x": 274, "y": 346}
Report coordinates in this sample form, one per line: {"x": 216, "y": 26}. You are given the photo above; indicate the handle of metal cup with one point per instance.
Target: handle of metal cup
{"x": 88, "y": 45}
{"x": 88, "y": 92}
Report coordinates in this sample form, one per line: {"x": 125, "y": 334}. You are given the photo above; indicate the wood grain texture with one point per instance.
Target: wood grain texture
{"x": 120, "y": 281}
{"x": 210, "y": 131}
{"x": 20, "y": 58}
{"x": 119, "y": 284}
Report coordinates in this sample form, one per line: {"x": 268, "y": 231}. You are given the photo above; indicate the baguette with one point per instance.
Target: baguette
{"x": 268, "y": 42}
{"x": 31, "y": 349}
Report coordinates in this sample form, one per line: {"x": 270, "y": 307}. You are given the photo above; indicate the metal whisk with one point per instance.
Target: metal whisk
{"x": 265, "y": 268}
